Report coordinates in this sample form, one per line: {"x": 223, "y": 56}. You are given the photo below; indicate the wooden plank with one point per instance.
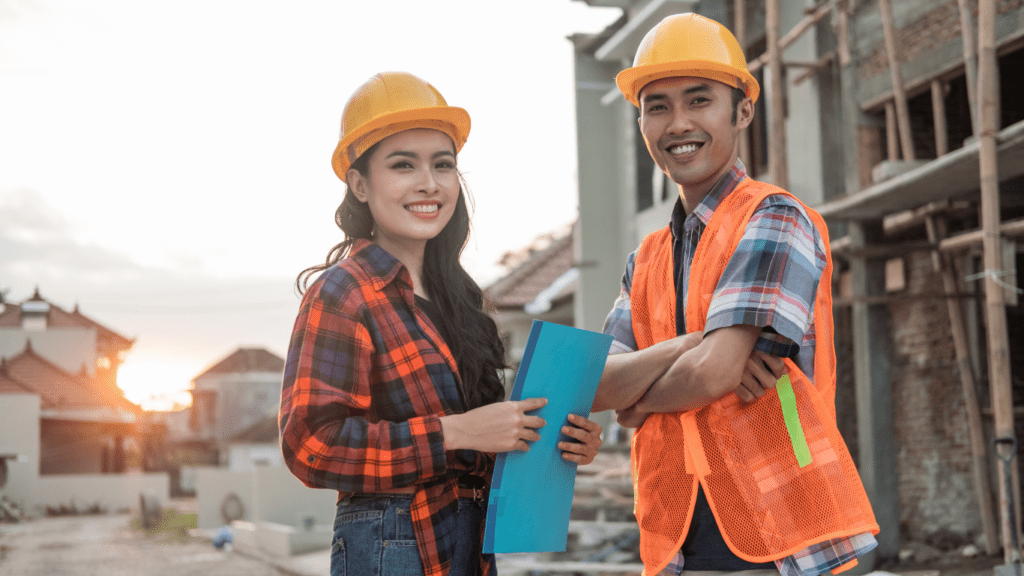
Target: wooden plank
{"x": 943, "y": 264}
{"x": 898, "y": 93}
{"x": 939, "y": 116}
{"x": 970, "y": 59}
{"x": 973, "y": 238}
{"x": 792, "y": 36}
{"x": 892, "y": 145}
{"x": 777, "y": 161}
{"x": 1001, "y": 390}
{"x": 739, "y": 29}
{"x": 813, "y": 68}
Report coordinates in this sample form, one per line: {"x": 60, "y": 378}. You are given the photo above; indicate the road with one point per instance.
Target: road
{"x": 104, "y": 545}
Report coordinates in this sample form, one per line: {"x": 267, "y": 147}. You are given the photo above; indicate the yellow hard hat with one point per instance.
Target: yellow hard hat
{"x": 687, "y": 45}
{"x": 387, "y": 104}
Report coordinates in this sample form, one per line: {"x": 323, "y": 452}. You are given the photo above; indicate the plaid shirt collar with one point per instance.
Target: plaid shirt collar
{"x": 381, "y": 267}
{"x": 683, "y": 222}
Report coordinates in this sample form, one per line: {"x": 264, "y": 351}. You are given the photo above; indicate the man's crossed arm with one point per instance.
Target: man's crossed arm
{"x": 686, "y": 373}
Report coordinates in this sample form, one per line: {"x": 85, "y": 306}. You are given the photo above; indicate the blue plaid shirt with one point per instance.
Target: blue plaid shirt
{"x": 770, "y": 281}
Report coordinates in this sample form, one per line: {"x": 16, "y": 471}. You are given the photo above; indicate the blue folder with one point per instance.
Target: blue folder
{"x": 531, "y": 492}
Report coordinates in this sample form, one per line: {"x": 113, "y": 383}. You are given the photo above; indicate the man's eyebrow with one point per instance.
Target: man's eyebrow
{"x": 655, "y": 96}
{"x": 699, "y": 88}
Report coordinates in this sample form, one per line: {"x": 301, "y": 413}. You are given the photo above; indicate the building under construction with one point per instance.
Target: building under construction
{"x": 902, "y": 123}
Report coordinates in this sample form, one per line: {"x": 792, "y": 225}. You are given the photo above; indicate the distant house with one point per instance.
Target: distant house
{"x": 70, "y": 362}
{"x": 71, "y": 340}
{"x": 70, "y": 434}
{"x": 234, "y": 393}
{"x": 540, "y": 284}
{"x": 84, "y": 427}
{"x": 257, "y": 445}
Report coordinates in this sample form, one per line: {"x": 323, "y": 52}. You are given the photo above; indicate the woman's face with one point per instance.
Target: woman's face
{"x": 411, "y": 187}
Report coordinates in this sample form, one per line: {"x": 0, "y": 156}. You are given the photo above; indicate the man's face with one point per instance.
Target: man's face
{"x": 687, "y": 124}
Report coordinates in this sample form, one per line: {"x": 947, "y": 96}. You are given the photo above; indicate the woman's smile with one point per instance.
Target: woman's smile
{"x": 427, "y": 209}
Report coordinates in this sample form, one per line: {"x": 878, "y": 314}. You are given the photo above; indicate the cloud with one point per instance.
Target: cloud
{"x": 37, "y": 244}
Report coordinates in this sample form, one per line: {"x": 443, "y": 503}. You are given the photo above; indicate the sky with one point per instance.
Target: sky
{"x": 166, "y": 165}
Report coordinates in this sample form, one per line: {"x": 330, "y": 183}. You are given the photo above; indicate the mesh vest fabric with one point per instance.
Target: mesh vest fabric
{"x": 766, "y": 505}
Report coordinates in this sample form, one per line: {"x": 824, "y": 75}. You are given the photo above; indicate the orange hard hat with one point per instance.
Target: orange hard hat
{"x": 387, "y": 104}
{"x": 687, "y": 45}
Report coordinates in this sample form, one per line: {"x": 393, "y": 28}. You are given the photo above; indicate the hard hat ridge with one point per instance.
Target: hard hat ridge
{"x": 687, "y": 45}
{"x": 388, "y": 103}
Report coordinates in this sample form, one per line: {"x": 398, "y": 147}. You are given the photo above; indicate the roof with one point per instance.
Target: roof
{"x": 9, "y": 384}
{"x": 58, "y": 317}
{"x": 246, "y": 360}
{"x": 58, "y": 388}
{"x": 534, "y": 274}
{"x": 263, "y": 431}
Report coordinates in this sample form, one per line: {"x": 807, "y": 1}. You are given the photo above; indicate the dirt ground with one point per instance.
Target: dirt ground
{"x": 107, "y": 545}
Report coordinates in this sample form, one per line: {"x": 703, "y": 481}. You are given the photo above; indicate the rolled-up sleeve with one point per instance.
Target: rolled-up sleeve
{"x": 772, "y": 278}
{"x": 619, "y": 323}
{"x": 326, "y": 439}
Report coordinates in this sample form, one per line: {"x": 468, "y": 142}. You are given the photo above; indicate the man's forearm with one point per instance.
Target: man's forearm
{"x": 627, "y": 376}
{"x": 703, "y": 374}
{"x": 679, "y": 389}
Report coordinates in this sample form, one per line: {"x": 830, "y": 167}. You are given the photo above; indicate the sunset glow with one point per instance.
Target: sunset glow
{"x": 155, "y": 385}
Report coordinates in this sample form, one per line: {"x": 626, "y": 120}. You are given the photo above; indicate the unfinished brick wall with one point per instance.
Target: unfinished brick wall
{"x": 925, "y": 32}
{"x": 936, "y": 490}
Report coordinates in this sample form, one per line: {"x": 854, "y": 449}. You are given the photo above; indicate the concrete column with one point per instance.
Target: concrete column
{"x": 871, "y": 345}
{"x": 599, "y": 249}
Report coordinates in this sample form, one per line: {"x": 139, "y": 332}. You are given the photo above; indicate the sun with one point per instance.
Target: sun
{"x": 156, "y": 385}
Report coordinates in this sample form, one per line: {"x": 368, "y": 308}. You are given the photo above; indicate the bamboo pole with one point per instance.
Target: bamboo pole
{"x": 968, "y": 239}
{"x": 843, "y": 33}
{"x": 777, "y": 162}
{"x": 970, "y": 59}
{"x": 790, "y": 37}
{"x": 899, "y": 94}
{"x": 892, "y": 144}
{"x": 939, "y": 113}
{"x": 739, "y": 28}
{"x": 943, "y": 264}
{"x": 995, "y": 307}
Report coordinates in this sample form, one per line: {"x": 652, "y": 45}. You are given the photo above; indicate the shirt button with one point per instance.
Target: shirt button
{"x": 311, "y": 459}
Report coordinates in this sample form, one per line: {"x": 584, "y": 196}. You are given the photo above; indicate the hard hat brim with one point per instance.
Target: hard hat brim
{"x": 632, "y": 80}
{"x": 455, "y": 117}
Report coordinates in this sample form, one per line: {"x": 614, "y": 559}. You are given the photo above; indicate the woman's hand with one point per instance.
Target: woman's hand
{"x": 498, "y": 427}
{"x": 588, "y": 433}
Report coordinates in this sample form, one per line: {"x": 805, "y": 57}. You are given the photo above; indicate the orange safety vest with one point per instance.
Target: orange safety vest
{"x": 767, "y": 505}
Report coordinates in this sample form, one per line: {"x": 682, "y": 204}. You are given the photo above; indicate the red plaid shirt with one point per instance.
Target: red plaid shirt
{"x": 366, "y": 381}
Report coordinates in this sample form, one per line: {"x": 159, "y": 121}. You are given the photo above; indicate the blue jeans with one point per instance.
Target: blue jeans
{"x": 373, "y": 536}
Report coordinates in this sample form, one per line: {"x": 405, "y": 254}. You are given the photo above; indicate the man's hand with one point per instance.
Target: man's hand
{"x": 631, "y": 417}
{"x": 588, "y": 434}
{"x": 759, "y": 376}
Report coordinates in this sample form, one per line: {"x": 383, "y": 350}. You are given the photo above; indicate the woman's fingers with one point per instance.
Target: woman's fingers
{"x": 530, "y": 404}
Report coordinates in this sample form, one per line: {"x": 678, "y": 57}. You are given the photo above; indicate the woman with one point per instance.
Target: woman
{"x": 392, "y": 393}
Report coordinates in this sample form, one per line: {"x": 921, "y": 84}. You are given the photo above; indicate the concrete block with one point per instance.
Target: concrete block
{"x": 888, "y": 169}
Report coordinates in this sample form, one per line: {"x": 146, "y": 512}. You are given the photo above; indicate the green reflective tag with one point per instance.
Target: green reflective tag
{"x": 796, "y": 432}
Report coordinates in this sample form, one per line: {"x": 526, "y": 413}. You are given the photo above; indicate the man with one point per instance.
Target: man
{"x": 731, "y": 473}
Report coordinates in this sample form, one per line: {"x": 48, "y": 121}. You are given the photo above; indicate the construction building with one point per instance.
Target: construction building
{"x": 902, "y": 123}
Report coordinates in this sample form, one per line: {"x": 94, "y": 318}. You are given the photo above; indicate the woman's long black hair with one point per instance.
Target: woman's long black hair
{"x": 476, "y": 346}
